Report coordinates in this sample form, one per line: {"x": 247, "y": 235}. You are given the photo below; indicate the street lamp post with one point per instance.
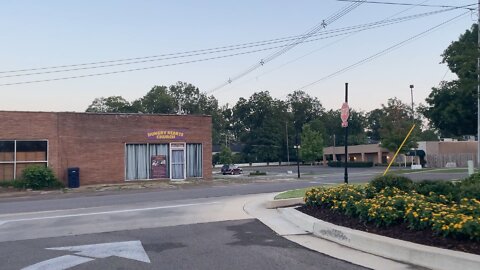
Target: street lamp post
{"x": 297, "y": 146}
{"x": 413, "y": 121}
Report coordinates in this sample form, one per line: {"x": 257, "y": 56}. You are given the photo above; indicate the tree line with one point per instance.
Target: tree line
{"x": 265, "y": 125}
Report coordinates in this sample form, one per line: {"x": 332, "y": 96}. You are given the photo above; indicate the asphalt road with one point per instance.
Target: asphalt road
{"x": 242, "y": 244}
{"x": 201, "y": 227}
{"x": 316, "y": 176}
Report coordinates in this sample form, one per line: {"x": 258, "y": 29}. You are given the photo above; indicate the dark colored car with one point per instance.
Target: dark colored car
{"x": 231, "y": 169}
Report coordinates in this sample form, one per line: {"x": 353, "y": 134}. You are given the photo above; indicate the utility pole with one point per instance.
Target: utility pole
{"x": 297, "y": 146}
{"x": 346, "y": 139}
{"x": 478, "y": 86}
{"x": 413, "y": 121}
{"x": 286, "y": 132}
{"x": 334, "y": 155}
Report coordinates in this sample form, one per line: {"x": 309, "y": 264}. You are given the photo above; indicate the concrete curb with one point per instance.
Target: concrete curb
{"x": 271, "y": 204}
{"x": 399, "y": 250}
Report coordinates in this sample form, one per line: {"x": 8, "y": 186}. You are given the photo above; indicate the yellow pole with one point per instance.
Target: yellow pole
{"x": 398, "y": 150}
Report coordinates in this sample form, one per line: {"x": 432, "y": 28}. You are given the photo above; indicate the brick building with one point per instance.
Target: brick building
{"x": 107, "y": 148}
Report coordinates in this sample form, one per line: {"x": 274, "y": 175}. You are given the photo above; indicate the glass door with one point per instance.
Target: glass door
{"x": 177, "y": 154}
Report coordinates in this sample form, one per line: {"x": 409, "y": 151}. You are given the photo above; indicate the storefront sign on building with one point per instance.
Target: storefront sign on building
{"x": 166, "y": 135}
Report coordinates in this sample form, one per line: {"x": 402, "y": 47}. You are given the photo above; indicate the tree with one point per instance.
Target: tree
{"x": 312, "y": 144}
{"x": 225, "y": 155}
{"x": 113, "y": 104}
{"x": 395, "y": 125}
{"x": 304, "y": 108}
{"x": 451, "y": 107}
{"x": 158, "y": 100}
{"x": 373, "y": 119}
{"x": 259, "y": 122}
{"x": 333, "y": 132}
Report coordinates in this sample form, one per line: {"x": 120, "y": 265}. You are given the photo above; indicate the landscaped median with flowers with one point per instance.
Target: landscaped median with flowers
{"x": 438, "y": 209}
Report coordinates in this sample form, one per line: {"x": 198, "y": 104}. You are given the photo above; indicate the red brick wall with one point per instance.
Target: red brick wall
{"x": 32, "y": 126}
{"x": 96, "y": 142}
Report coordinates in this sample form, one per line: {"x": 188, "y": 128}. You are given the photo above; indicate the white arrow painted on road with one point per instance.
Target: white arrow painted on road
{"x": 129, "y": 250}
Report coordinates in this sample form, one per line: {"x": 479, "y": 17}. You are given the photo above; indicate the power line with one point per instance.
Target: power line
{"x": 383, "y": 52}
{"x": 411, "y": 4}
{"x": 153, "y": 67}
{"x": 307, "y": 35}
{"x": 337, "y": 32}
{"x": 77, "y": 67}
{"x": 338, "y": 40}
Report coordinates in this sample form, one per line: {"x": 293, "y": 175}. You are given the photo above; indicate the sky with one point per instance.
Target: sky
{"x": 39, "y": 34}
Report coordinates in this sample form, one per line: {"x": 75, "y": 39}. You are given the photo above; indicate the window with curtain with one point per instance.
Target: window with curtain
{"x": 194, "y": 160}
{"x": 138, "y": 159}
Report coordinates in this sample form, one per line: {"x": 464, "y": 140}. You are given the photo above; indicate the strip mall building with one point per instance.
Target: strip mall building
{"x": 107, "y": 148}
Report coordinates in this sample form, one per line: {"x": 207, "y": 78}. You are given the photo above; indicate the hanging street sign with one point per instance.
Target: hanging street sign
{"x": 344, "y": 114}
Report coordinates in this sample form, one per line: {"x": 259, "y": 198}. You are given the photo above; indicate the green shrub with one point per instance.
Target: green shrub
{"x": 39, "y": 177}
{"x": 437, "y": 187}
{"x": 11, "y": 183}
{"x": 258, "y": 173}
{"x": 469, "y": 187}
{"x": 401, "y": 182}
{"x": 356, "y": 164}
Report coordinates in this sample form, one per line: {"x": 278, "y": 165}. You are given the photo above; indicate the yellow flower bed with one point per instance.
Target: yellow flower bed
{"x": 392, "y": 206}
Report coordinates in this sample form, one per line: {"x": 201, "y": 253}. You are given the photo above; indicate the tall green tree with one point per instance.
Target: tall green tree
{"x": 113, "y": 104}
{"x": 312, "y": 144}
{"x": 304, "y": 108}
{"x": 452, "y": 106}
{"x": 158, "y": 100}
{"x": 226, "y": 156}
{"x": 395, "y": 125}
{"x": 259, "y": 123}
{"x": 373, "y": 119}
{"x": 333, "y": 132}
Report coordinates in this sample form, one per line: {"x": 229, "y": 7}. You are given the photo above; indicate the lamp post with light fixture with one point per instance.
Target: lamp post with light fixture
{"x": 413, "y": 122}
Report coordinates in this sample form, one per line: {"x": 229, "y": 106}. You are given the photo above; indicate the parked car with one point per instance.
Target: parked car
{"x": 231, "y": 169}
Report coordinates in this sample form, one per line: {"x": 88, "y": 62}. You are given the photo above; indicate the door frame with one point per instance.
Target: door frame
{"x": 178, "y": 146}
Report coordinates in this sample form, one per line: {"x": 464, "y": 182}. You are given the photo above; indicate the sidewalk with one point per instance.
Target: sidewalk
{"x": 273, "y": 219}
{"x": 140, "y": 186}
{"x": 361, "y": 248}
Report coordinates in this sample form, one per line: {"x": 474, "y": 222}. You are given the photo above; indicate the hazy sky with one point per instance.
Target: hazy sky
{"x": 37, "y": 34}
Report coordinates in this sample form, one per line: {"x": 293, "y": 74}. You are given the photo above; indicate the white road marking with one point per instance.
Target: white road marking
{"x": 130, "y": 250}
{"x": 105, "y": 212}
{"x": 59, "y": 263}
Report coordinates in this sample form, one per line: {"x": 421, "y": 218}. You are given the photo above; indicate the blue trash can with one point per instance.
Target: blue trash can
{"x": 73, "y": 177}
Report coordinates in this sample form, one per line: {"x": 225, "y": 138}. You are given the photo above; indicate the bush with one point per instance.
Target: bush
{"x": 357, "y": 164}
{"x": 401, "y": 182}
{"x": 469, "y": 187}
{"x": 12, "y": 183}
{"x": 392, "y": 206}
{"x": 258, "y": 173}
{"x": 39, "y": 177}
{"x": 437, "y": 187}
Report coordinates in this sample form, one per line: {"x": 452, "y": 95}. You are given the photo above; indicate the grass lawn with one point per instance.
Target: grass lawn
{"x": 299, "y": 193}
{"x": 296, "y": 193}
{"x": 431, "y": 170}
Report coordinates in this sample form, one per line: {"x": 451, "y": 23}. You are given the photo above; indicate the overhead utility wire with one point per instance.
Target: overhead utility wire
{"x": 307, "y": 35}
{"x": 227, "y": 48}
{"x": 411, "y": 4}
{"x": 383, "y": 52}
{"x": 389, "y": 18}
{"x": 354, "y": 29}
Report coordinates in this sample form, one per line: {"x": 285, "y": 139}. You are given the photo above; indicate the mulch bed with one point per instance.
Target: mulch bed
{"x": 400, "y": 231}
